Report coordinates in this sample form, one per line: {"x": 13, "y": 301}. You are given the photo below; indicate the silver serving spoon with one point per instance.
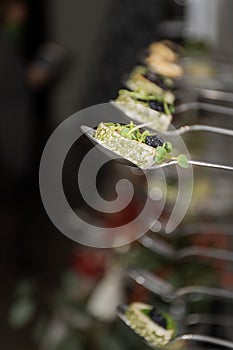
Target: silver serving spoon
{"x": 89, "y": 132}
{"x": 187, "y": 128}
{"x": 164, "y": 289}
{"x": 196, "y": 127}
{"x": 166, "y": 249}
{"x": 207, "y": 107}
{"x": 222, "y": 96}
{"x": 181, "y": 339}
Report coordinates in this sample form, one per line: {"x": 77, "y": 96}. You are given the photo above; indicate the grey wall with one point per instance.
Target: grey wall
{"x": 225, "y": 28}
{"x": 75, "y": 25}
{"x": 211, "y": 20}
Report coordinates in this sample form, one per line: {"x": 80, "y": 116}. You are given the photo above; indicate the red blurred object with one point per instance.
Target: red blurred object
{"x": 138, "y": 294}
{"x": 217, "y": 239}
{"x": 89, "y": 262}
{"x": 123, "y": 217}
{"x": 214, "y": 238}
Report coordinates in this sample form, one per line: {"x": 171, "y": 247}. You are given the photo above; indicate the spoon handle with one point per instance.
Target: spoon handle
{"x": 185, "y": 107}
{"x": 205, "y": 339}
{"x": 208, "y": 128}
{"x": 210, "y": 165}
{"x": 193, "y": 162}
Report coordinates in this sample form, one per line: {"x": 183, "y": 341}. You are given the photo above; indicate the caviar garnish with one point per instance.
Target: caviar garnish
{"x": 158, "y": 318}
{"x": 157, "y": 106}
{"x": 154, "y": 141}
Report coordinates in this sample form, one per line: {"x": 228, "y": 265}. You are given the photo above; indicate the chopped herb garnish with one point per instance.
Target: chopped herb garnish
{"x": 146, "y": 311}
{"x": 130, "y": 131}
{"x": 168, "y": 146}
{"x": 171, "y": 324}
{"x": 183, "y": 161}
{"x": 139, "y": 95}
{"x": 162, "y": 154}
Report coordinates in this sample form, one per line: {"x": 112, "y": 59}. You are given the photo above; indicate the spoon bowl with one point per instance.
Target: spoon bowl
{"x": 89, "y": 132}
{"x": 180, "y": 340}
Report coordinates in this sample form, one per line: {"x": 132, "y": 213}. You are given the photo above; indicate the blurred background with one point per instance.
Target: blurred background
{"x": 58, "y": 57}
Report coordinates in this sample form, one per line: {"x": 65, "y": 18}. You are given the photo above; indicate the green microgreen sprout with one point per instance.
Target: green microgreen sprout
{"x": 130, "y": 131}
{"x": 166, "y": 108}
{"x": 145, "y": 98}
{"x": 164, "y": 153}
{"x": 183, "y": 161}
{"x": 141, "y": 95}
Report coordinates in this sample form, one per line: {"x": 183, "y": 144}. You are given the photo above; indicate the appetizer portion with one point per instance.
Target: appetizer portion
{"x": 156, "y": 327}
{"x": 170, "y": 69}
{"x": 146, "y": 108}
{"x": 128, "y": 142}
{"x": 141, "y": 78}
{"x": 163, "y": 59}
{"x": 165, "y": 49}
{"x": 149, "y": 98}
{"x": 139, "y": 147}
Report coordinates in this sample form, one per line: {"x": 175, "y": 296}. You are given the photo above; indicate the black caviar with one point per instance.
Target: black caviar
{"x": 154, "y": 141}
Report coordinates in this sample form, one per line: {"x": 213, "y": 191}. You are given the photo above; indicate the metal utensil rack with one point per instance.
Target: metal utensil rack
{"x": 212, "y": 107}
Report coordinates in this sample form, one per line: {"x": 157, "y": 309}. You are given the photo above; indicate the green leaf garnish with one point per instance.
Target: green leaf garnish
{"x": 142, "y": 95}
{"x": 183, "y": 161}
{"x": 171, "y": 323}
{"x": 168, "y": 146}
{"x": 146, "y": 311}
{"x": 171, "y": 108}
{"x": 144, "y": 135}
{"x": 166, "y": 108}
{"x": 125, "y": 132}
{"x": 161, "y": 154}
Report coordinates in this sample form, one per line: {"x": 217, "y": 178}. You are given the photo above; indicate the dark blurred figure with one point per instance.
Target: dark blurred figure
{"x": 28, "y": 67}
{"x": 15, "y": 121}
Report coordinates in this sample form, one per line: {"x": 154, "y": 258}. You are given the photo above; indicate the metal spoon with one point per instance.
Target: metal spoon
{"x": 187, "y": 128}
{"x": 89, "y": 132}
{"x": 166, "y": 249}
{"x": 181, "y": 339}
{"x": 164, "y": 289}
